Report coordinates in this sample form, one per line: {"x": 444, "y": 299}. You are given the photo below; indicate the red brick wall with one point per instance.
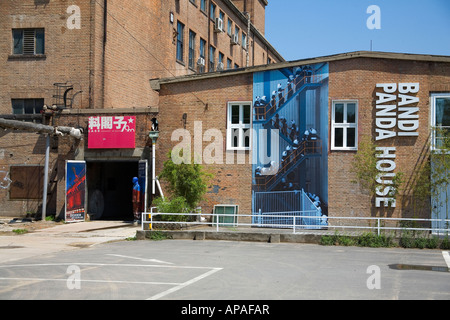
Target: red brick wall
{"x": 206, "y": 101}
{"x": 357, "y": 79}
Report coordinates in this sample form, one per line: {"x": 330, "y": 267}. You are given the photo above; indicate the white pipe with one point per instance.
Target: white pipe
{"x": 44, "y": 196}
{"x": 153, "y": 165}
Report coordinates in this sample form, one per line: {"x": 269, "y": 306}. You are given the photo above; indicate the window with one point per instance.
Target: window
{"x": 28, "y": 41}
{"x": 244, "y": 40}
{"x": 229, "y": 64}
{"x": 191, "y": 49}
{"x": 225, "y": 215}
{"x": 180, "y": 42}
{"x": 212, "y": 11}
{"x": 236, "y": 32}
{"x": 220, "y": 65}
{"x": 222, "y": 15}
{"x": 27, "y": 106}
{"x": 344, "y": 133}
{"x": 230, "y": 27}
{"x": 203, "y": 5}
{"x": 201, "y": 68}
{"x": 239, "y": 125}
{"x": 212, "y": 63}
{"x": 440, "y": 120}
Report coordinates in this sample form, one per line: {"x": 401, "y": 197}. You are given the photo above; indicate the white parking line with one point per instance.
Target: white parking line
{"x": 141, "y": 259}
{"x": 183, "y": 285}
{"x": 94, "y": 281}
{"x": 446, "y": 256}
{"x": 177, "y": 286}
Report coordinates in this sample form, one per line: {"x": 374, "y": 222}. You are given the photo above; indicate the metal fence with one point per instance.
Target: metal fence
{"x": 284, "y": 209}
{"x": 298, "y": 222}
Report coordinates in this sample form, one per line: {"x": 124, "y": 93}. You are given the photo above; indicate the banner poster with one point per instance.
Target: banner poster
{"x": 75, "y": 191}
{"x": 112, "y": 132}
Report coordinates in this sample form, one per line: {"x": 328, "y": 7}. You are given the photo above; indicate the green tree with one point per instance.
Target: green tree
{"x": 440, "y": 169}
{"x": 186, "y": 180}
{"x": 364, "y": 166}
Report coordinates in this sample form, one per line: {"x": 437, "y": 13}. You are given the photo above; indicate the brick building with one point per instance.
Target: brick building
{"x": 318, "y": 111}
{"x": 91, "y": 60}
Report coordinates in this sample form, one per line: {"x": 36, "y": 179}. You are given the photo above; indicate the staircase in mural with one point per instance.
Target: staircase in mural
{"x": 306, "y": 149}
{"x": 266, "y": 111}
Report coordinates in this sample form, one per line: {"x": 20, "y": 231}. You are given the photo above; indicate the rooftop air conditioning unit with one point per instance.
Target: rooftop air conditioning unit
{"x": 218, "y": 27}
{"x": 201, "y": 62}
{"x": 235, "y": 39}
{"x": 220, "y": 66}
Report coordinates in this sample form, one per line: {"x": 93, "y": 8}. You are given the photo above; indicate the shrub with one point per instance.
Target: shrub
{"x": 432, "y": 243}
{"x": 445, "y": 244}
{"x": 176, "y": 205}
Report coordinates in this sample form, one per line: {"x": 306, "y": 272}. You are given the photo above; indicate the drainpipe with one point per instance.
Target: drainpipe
{"x": 44, "y": 195}
{"x": 248, "y": 39}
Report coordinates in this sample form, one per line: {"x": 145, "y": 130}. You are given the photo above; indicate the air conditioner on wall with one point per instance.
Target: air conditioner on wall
{"x": 218, "y": 27}
{"x": 220, "y": 66}
{"x": 235, "y": 39}
{"x": 201, "y": 62}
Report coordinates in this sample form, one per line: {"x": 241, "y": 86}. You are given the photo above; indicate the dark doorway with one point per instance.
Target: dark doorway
{"x": 110, "y": 188}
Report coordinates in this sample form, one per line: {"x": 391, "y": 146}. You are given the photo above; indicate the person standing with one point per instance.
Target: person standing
{"x": 136, "y": 199}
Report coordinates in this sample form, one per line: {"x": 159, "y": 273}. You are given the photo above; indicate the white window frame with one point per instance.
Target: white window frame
{"x": 240, "y": 126}
{"x": 345, "y": 125}
{"x": 433, "y": 98}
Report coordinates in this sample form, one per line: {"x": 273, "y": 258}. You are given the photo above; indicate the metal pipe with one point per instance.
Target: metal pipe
{"x": 153, "y": 165}
{"x": 44, "y": 196}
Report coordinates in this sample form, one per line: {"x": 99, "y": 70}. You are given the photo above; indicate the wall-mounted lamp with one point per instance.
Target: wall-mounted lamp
{"x": 171, "y": 17}
{"x": 184, "y": 120}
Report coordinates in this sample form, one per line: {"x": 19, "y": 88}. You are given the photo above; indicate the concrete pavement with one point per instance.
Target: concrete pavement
{"x": 63, "y": 237}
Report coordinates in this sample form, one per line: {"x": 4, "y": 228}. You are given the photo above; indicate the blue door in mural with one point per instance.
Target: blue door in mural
{"x": 290, "y": 142}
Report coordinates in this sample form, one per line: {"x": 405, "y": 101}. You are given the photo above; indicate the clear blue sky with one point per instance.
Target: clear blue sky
{"x": 301, "y": 29}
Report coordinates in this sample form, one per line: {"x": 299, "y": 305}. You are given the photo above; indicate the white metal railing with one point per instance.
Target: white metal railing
{"x": 299, "y": 222}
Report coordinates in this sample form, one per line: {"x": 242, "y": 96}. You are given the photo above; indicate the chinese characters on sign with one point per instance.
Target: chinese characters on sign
{"x": 112, "y": 132}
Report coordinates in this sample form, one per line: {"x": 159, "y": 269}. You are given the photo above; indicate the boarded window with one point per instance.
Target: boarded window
{"x": 27, "y": 182}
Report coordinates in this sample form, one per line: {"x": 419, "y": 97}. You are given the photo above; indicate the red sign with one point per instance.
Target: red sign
{"x": 112, "y": 132}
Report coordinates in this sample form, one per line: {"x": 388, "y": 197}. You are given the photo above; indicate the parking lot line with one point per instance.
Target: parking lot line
{"x": 183, "y": 285}
{"x": 446, "y": 256}
{"x": 93, "y": 281}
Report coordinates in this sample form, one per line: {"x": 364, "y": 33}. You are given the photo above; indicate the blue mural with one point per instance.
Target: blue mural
{"x": 290, "y": 144}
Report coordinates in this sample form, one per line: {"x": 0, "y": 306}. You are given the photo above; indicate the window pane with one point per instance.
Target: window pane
{"x": 443, "y": 112}
{"x": 235, "y": 138}
{"x": 38, "y": 105}
{"x": 338, "y": 137}
{"x": 18, "y": 41}
{"x": 17, "y": 106}
{"x": 180, "y": 37}
{"x": 351, "y": 137}
{"x": 339, "y": 113}
{"x": 29, "y": 106}
{"x": 247, "y": 111}
{"x": 247, "y": 138}
{"x": 351, "y": 113}
{"x": 235, "y": 114}
{"x": 40, "y": 43}
{"x": 212, "y": 12}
